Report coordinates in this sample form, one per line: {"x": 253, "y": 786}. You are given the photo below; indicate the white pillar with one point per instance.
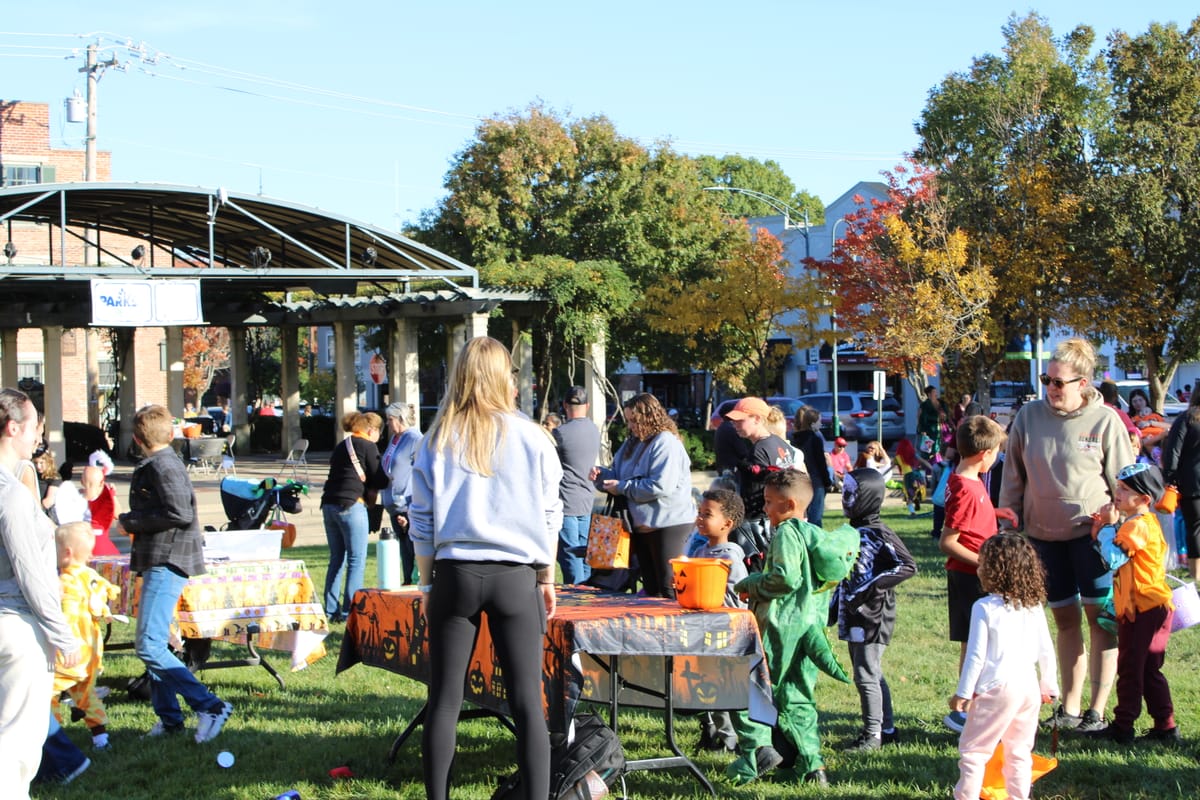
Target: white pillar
{"x": 127, "y": 381}
{"x": 289, "y": 386}
{"x": 471, "y": 326}
{"x": 239, "y": 421}
{"x": 404, "y": 362}
{"x": 8, "y": 358}
{"x": 594, "y": 373}
{"x": 345, "y": 376}
{"x": 522, "y": 354}
{"x": 174, "y": 345}
{"x": 52, "y": 380}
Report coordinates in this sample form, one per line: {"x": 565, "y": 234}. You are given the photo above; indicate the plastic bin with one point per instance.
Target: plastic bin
{"x": 700, "y": 582}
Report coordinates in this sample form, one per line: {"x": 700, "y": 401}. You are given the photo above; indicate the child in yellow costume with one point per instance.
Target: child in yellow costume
{"x": 85, "y": 599}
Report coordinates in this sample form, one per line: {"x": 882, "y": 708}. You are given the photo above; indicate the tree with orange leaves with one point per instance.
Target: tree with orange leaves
{"x": 205, "y": 350}
{"x": 901, "y": 282}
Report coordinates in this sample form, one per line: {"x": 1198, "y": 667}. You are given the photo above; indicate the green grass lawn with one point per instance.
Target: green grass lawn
{"x": 291, "y": 738}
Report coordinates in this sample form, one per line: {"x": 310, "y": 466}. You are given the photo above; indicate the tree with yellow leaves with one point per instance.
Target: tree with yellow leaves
{"x": 902, "y": 282}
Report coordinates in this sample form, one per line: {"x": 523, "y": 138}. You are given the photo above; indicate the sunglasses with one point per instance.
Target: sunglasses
{"x": 1057, "y": 383}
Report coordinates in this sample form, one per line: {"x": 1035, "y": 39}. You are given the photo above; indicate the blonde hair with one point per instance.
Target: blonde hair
{"x": 70, "y": 535}
{"x": 1078, "y": 354}
{"x": 807, "y": 418}
{"x": 153, "y": 426}
{"x": 364, "y": 423}
{"x": 776, "y": 422}
{"x": 469, "y": 420}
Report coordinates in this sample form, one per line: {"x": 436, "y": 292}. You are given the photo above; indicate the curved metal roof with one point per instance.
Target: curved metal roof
{"x": 239, "y": 246}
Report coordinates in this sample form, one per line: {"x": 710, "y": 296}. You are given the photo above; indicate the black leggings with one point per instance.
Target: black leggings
{"x": 1190, "y": 506}
{"x": 517, "y": 621}
{"x": 655, "y": 549}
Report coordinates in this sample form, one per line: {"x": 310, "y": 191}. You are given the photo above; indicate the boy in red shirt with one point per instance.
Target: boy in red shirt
{"x": 971, "y": 519}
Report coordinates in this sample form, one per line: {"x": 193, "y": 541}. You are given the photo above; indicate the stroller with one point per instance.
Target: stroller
{"x": 252, "y": 504}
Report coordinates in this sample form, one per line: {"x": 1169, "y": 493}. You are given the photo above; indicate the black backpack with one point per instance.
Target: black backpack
{"x": 595, "y": 749}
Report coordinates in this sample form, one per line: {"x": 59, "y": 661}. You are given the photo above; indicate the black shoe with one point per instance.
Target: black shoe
{"x": 766, "y": 759}
{"x": 1162, "y": 736}
{"x": 1065, "y": 721}
{"x": 864, "y": 743}
{"x": 1090, "y": 721}
{"x": 892, "y": 737}
{"x": 818, "y": 777}
{"x": 1112, "y": 733}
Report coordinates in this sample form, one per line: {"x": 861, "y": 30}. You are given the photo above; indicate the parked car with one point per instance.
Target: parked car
{"x": 857, "y": 412}
{"x": 1172, "y": 405}
{"x": 1007, "y": 397}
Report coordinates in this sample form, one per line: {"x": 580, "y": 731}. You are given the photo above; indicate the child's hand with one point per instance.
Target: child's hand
{"x": 1048, "y": 698}
{"x": 960, "y": 704}
{"x": 1008, "y": 515}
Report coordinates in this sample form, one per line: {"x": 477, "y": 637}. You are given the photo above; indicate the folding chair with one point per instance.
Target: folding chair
{"x": 295, "y": 458}
{"x": 228, "y": 463}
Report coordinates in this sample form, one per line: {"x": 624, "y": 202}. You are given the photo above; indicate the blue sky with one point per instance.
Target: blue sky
{"x": 359, "y": 107}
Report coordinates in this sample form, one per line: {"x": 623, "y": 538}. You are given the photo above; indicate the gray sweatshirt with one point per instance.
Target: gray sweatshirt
{"x": 29, "y": 566}
{"x": 656, "y": 478}
{"x": 513, "y": 515}
{"x": 1060, "y": 468}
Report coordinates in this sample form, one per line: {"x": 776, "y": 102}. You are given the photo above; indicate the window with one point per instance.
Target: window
{"x": 29, "y": 369}
{"x": 25, "y": 174}
{"x": 108, "y": 375}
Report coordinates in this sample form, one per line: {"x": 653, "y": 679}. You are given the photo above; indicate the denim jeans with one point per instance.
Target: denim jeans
{"x": 408, "y": 559}
{"x": 346, "y": 530}
{"x": 574, "y": 534}
{"x": 161, "y": 587}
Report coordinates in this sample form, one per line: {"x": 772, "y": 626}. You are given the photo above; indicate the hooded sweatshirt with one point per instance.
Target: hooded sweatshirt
{"x": 865, "y": 602}
{"x": 1059, "y": 468}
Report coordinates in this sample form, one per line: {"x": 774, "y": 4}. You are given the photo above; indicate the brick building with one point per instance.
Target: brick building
{"x": 26, "y": 157}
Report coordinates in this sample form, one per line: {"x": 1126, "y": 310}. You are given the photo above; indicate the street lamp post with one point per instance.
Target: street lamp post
{"x": 837, "y": 417}
{"x": 778, "y": 205}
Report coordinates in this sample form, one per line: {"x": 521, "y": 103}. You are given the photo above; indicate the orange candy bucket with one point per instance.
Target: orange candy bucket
{"x": 700, "y": 582}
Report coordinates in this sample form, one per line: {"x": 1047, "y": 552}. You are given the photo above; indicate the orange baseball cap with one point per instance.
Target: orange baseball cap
{"x": 749, "y": 407}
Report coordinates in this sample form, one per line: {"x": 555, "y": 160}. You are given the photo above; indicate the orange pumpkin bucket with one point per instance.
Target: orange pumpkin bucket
{"x": 700, "y": 582}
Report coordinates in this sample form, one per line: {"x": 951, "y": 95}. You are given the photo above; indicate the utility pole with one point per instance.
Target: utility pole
{"x": 93, "y": 69}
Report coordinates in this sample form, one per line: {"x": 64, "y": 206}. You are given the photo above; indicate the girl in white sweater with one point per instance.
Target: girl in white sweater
{"x": 998, "y": 684}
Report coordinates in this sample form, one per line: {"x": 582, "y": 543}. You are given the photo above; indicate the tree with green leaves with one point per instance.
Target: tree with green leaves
{"x": 739, "y": 172}
{"x": 1141, "y": 225}
{"x": 1008, "y": 140}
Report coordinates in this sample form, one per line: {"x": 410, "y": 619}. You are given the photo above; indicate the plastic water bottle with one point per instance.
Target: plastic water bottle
{"x": 387, "y": 560}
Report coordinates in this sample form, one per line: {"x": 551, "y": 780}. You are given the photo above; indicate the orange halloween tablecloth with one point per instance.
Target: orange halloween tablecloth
{"x": 277, "y": 595}
{"x": 718, "y": 663}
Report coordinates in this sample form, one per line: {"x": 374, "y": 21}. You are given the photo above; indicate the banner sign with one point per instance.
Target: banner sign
{"x": 146, "y": 303}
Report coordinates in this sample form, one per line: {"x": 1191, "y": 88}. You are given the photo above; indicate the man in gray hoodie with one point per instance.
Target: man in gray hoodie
{"x": 1061, "y": 467}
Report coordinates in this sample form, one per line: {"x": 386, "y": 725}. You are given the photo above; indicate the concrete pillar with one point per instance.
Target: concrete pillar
{"x": 522, "y": 354}
{"x": 127, "y": 382}
{"x": 52, "y": 379}
{"x": 174, "y": 345}
{"x": 403, "y": 362}
{"x": 595, "y": 380}
{"x": 8, "y": 358}
{"x": 345, "y": 376}
{"x": 472, "y": 325}
{"x": 289, "y": 386}
{"x": 239, "y": 421}
{"x": 92, "y": 349}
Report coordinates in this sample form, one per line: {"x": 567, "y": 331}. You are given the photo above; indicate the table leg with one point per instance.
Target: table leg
{"x": 419, "y": 719}
{"x": 668, "y": 695}
{"x": 254, "y": 659}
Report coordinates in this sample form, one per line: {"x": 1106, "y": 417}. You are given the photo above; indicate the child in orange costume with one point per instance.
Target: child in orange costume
{"x": 85, "y": 599}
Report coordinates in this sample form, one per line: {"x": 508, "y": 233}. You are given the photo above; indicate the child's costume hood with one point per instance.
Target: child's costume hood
{"x": 863, "y": 491}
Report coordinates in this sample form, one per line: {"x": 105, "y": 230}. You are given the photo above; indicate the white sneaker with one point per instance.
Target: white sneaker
{"x": 209, "y": 724}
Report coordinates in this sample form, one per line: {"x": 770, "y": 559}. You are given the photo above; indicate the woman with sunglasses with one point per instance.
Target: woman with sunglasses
{"x": 1061, "y": 465}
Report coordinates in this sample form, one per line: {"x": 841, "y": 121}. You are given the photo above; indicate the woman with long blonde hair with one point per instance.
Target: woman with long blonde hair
{"x": 484, "y": 522}
{"x": 653, "y": 472}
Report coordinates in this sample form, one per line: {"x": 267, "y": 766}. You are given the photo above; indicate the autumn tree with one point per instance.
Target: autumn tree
{"x": 205, "y": 350}
{"x": 1141, "y": 229}
{"x": 728, "y": 316}
{"x": 1008, "y": 139}
{"x": 902, "y": 281}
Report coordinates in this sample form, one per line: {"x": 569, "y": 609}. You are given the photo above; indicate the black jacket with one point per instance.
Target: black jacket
{"x": 162, "y": 516}
{"x": 1181, "y": 453}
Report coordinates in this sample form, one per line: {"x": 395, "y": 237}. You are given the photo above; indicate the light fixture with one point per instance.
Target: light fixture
{"x": 10, "y": 252}
{"x": 260, "y": 256}
{"x": 138, "y": 253}
{"x": 370, "y": 256}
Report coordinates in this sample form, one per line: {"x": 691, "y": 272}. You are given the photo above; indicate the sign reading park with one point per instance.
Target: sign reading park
{"x": 146, "y": 303}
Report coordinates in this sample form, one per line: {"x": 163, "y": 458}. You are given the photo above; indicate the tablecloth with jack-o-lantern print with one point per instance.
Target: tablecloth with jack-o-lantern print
{"x": 718, "y": 660}
{"x": 276, "y": 595}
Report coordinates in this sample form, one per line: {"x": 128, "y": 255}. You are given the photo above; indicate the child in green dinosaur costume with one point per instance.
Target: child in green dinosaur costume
{"x": 802, "y": 561}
